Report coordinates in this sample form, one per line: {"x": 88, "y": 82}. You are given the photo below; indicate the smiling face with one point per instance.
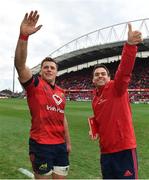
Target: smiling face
{"x": 100, "y": 77}
{"x": 49, "y": 71}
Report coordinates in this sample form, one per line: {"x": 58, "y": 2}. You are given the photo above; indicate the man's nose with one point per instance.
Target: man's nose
{"x": 49, "y": 69}
{"x": 100, "y": 75}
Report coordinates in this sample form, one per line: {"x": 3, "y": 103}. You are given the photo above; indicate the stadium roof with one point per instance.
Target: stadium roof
{"x": 95, "y": 53}
{"x": 103, "y": 43}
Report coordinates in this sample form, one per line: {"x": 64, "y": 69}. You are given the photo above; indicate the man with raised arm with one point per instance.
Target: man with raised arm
{"x": 49, "y": 142}
{"x": 112, "y": 115}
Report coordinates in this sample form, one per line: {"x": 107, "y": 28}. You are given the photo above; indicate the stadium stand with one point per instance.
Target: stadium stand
{"x": 78, "y": 85}
{"x": 102, "y": 45}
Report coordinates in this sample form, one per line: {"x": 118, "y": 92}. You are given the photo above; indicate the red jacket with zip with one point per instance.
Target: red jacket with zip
{"x": 112, "y": 109}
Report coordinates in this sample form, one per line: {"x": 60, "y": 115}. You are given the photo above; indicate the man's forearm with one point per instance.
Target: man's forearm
{"x": 20, "y": 61}
{"x": 123, "y": 73}
{"x": 27, "y": 27}
{"x": 128, "y": 58}
{"x": 21, "y": 54}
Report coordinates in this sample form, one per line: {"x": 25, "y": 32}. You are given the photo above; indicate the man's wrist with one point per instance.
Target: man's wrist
{"x": 128, "y": 42}
{"x": 23, "y": 37}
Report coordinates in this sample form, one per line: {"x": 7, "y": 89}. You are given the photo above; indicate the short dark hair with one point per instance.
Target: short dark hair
{"x": 49, "y": 59}
{"x": 101, "y": 66}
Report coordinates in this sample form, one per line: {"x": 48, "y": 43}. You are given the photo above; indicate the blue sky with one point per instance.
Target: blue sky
{"x": 63, "y": 21}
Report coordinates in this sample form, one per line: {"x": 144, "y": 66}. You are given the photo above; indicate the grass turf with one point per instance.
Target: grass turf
{"x": 84, "y": 159}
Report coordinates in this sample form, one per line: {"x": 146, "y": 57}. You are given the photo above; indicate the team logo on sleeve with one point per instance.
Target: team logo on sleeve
{"x": 57, "y": 99}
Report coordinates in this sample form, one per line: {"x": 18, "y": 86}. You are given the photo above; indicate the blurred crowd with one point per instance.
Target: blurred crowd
{"x": 78, "y": 85}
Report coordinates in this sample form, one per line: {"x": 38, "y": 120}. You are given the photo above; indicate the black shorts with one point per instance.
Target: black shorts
{"x": 46, "y": 158}
{"x": 120, "y": 165}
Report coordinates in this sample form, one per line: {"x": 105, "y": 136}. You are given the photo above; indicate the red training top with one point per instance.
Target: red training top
{"x": 112, "y": 109}
{"x": 46, "y": 106}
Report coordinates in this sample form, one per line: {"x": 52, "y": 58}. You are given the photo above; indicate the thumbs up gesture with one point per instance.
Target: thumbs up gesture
{"x": 134, "y": 37}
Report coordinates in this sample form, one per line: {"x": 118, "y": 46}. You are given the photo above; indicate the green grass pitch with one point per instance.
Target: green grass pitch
{"x": 84, "y": 158}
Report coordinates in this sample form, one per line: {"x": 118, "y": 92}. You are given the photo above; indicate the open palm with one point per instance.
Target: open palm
{"x": 28, "y": 25}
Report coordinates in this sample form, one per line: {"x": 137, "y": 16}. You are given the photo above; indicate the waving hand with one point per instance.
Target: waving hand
{"x": 28, "y": 25}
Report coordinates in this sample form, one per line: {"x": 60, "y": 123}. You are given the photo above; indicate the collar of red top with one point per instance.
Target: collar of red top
{"x": 98, "y": 90}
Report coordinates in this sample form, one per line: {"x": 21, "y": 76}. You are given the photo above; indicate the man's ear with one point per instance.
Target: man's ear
{"x": 93, "y": 81}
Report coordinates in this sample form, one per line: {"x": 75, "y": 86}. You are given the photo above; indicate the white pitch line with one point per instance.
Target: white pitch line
{"x": 26, "y": 172}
